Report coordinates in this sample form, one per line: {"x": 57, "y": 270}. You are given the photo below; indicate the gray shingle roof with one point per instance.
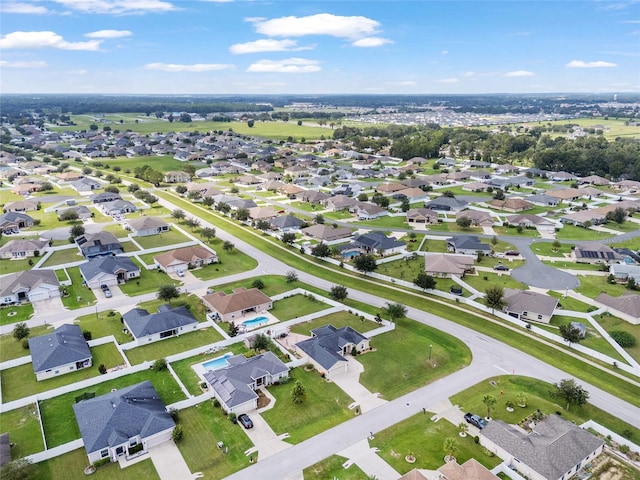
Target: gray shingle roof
{"x": 112, "y": 419}
{"x": 29, "y": 279}
{"x": 140, "y": 322}
{"x": 287, "y": 221}
{"x": 468, "y": 242}
{"x": 110, "y": 265}
{"x": 446, "y": 203}
{"x": 327, "y": 342}
{"x": 63, "y": 346}
{"x": 518, "y": 301}
{"x": 377, "y": 241}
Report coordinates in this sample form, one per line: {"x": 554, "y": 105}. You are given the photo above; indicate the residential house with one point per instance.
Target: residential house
{"x": 123, "y": 422}
{"x": 18, "y": 249}
{"x": 145, "y": 226}
{"x": 446, "y": 162}
{"x": 469, "y": 470}
{"x": 85, "y": 184}
{"x": 458, "y": 176}
{"x": 511, "y": 205}
{"x": 63, "y": 351}
{"x": 625, "y": 306}
{"x": 555, "y": 449}
{"x": 479, "y": 174}
{"x": 229, "y": 307}
{"x": 368, "y": 211}
{"x": 543, "y": 200}
{"x": 475, "y": 187}
{"x": 290, "y": 190}
{"x": 98, "y": 244}
{"x": 339, "y": 202}
{"x": 467, "y": 245}
{"x": 20, "y": 206}
{"x": 581, "y": 218}
{"x": 389, "y": 188}
{"x": 566, "y": 194}
{"x": 527, "y": 220}
{"x": 262, "y": 213}
{"x": 378, "y": 243}
{"x": 117, "y": 207}
{"x": 478, "y": 218}
{"x": 595, "y": 253}
{"x": 561, "y": 177}
{"x": 517, "y": 181}
{"x": 506, "y": 169}
{"x": 623, "y": 272}
{"x": 29, "y": 285}
{"x": 421, "y": 216}
{"x": 287, "y": 223}
{"x": 235, "y": 385}
{"x": 25, "y": 189}
{"x": 527, "y": 305}
{"x": 81, "y": 211}
{"x": 13, "y": 222}
{"x": 69, "y": 176}
{"x": 297, "y": 171}
{"x": 109, "y": 270}
{"x": 328, "y": 347}
{"x": 166, "y": 322}
{"x": 447, "y": 204}
{"x": 446, "y": 265}
{"x": 436, "y": 179}
{"x": 327, "y": 233}
{"x": 413, "y": 194}
{"x": 103, "y": 197}
{"x": 185, "y": 258}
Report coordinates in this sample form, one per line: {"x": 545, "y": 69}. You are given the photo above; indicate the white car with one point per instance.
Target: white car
{"x": 180, "y": 273}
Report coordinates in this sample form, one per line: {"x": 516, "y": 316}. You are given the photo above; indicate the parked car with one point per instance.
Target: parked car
{"x": 180, "y": 273}
{"x": 106, "y": 291}
{"x": 245, "y": 421}
{"x": 501, "y": 268}
{"x": 475, "y": 420}
{"x": 512, "y": 253}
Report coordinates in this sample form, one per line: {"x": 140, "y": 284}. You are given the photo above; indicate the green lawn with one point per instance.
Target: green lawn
{"x": 103, "y": 325}
{"x": 486, "y": 279}
{"x": 423, "y": 438}
{"x": 163, "y": 163}
{"x": 173, "y": 345}
{"x": 19, "y": 382}
{"x": 611, "y": 323}
{"x": 60, "y": 257}
{"x": 70, "y": 466}
{"x": 16, "y": 313}
{"x": 13, "y": 266}
{"x": 229, "y": 263}
{"x": 630, "y": 243}
{"x": 325, "y": 406}
{"x": 331, "y": 467}
{"x": 593, "y": 285}
{"x": 11, "y": 348}
{"x": 24, "y": 430}
{"x": 569, "y": 265}
{"x": 59, "y": 421}
{"x": 400, "y": 362}
{"x": 273, "y": 285}
{"x": 191, "y": 301}
{"x": 512, "y": 231}
{"x": 167, "y": 238}
{"x": 384, "y": 222}
{"x": 297, "y": 306}
{"x": 186, "y": 374}
{"x": 547, "y": 249}
{"x": 306, "y": 206}
{"x": 128, "y": 246}
{"x": 572, "y": 304}
{"x": 338, "y": 320}
{"x": 627, "y": 226}
{"x": 571, "y": 232}
{"x": 538, "y": 397}
{"x": 453, "y": 227}
{"x": 404, "y": 269}
{"x": 434, "y": 246}
{"x": 204, "y": 426}
{"x": 149, "y": 281}
{"x": 78, "y": 295}
{"x": 339, "y": 215}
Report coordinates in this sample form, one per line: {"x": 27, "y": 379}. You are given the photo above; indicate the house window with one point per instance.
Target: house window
{"x": 104, "y": 453}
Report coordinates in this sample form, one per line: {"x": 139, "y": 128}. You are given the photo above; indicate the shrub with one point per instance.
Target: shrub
{"x": 87, "y": 335}
{"x": 624, "y": 449}
{"x": 216, "y": 403}
{"x": 25, "y": 343}
{"x": 160, "y": 364}
{"x": 173, "y": 413}
{"x": 622, "y": 338}
{"x": 102, "y": 369}
{"x": 177, "y": 434}
{"x": 232, "y": 417}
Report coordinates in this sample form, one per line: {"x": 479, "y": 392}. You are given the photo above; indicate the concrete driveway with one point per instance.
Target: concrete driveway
{"x": 47, "y": 307}
{"x": 349, "y": 382}
{"x": 265, "y": 440}
{"x": 169, "y": 462}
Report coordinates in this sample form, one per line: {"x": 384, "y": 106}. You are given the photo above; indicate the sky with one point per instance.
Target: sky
{"x": 327, "y": 47}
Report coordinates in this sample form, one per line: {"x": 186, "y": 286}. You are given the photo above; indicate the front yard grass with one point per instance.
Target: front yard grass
{"x": 19, "y": 382}
{"x": 297, "y": 306}
{"x": 149, "y": 281}
{"x": 273, "y": 285}
{"x": 385, "y": 221}
{"x": 434, "y": 246}
{"x": 23, "y": 426}
{"x": 331, "y": 467}
{"x": 19, "y": 313}
{"x": 547, "y": 249}
{"x": 423, "y": 438}
{"x": 400, "y": 362}
{"x": 570, "y": 303}
{"x": 204, "y": 426}
{"x": 569, "y": 265}
{"x": 166, "y": 238}
{"x": 325, "y": 406}
{"x": 13, "y": 266}
{"x": 229, "y": 262}
{"x": 453, "y": 227}
{"x": 594, "y": 285}
{"x": 338, "y": 320}
{"x": 572, "y": 232}
{"x": 78, "y": 295}
{"x": 512, "y": 231}
{"x": 191, "y": 301}
{"x": 407, "y": 268}
{"x": 611, "y": 323}
{"x": 59, "y": 421}
{"x": 71, "y": 466}
{"x": 173, "y": 345}
{"x": 489, "y": 279}
{"x": 11, "y": 348}
{"x": 60, "y": 257}
{"x": 103, "y": 324}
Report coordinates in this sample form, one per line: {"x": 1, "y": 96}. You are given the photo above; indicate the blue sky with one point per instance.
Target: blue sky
{"x": 281, "y": 46}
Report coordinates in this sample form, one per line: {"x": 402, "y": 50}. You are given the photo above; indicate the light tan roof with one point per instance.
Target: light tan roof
{"x": 469, "y": 470}
{"x": 182, "y": 255}
{"x": 512, "y": 204}
{"x": 565, "y": 193}
{"x": 413, "y": 475}
{"x": 389, "y": 187}
{"x": 421, "y": 213}
{"x": 257, "y": 213}
{"x": 447, "y": 263}
{"x": 144, "y": 223}
{"x": 239, "y": 300}
{"x": 412, "y": 192}
{"x": 628, "y": 303}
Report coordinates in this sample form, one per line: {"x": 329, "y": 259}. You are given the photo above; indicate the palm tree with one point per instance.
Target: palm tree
{"x": 450, "y": 447}
{"x": 489, "y": 401}
{"x": 463, "y": 427}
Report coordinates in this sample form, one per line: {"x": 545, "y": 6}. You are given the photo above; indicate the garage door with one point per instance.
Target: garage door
{"x": 37, "y": 295}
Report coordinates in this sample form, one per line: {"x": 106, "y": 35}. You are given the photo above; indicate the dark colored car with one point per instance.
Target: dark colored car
{"x": 245, "y": 421}
{"x": 475, "y": 420}
{"x": 501, "y": 268}
{"x": 106, "y": 291}
{"x": 512, "y": 253}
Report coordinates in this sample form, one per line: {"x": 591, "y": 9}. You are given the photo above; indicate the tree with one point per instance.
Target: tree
{"x": 208, "y": 233}
{"x": 631, "y": 283}
{"x": 242, "y": 214}
{"x": 233, "y": 329}
{"x": 298, "y": 393}
{"x": 321, "y": 250}
{"x": 207, "y": 201}
{"x": 264, "y": 225}
{"x": 93, "y": 127}
{"x": 181, "y": 189}
{"x": 569, "y": 391}
{"x": 494, "y": 298}
{"x": 463, "y": 222}
{"x": 257, "y": 283}
{"x": 424, "y": 281}
{"x": 499, "y": 195}
{"x": 76, "y": 231}
{"x": 177, "y": 434}
{"x": 363, "y": 197}
{"x": 228, "y": 247}
{"x": 395, "y": 311}
{"x": 45, "y": 187}
{"x": 133, "y": 188}
{"x": 160, "y": 364}
{"x": 192, "y": 222}
{"x": 622, "y": 338}
{"x": 288, "y": 237}
{"x": 178, "y": 214}
{"x": 450, "y": 447}
{"x": 87, "y": 335}
{"x": 250, "y": 123}
{"x": 260, "y": 343}
{"x": 490, "y": 401}
{"x": 20, "y": 331}
{"x": 69, "y": 216}
{"x": 404, "y": 205}
{"x": 618, "y": 215}
{"x": 338, "y": 293}
{"x": 319, "y": 219}
{"x": 291, "y": 276}
{"x": 494, "y": 240}
{"x": 20, "y": 469}
{"x": 555, "y": 245}
{"x": 223, "y": 207}
{"x": 365, "y": 263}
{"x": 168, "y": 292}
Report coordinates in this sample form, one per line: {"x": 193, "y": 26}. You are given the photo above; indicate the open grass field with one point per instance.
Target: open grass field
{"x": 434, "y": 246}
{"x": 384, "y": 222}
{"x": 273, "y": 285}
{"x": 569, "y": 303}
{"x": 162, "y": 163}
{"x": 331, "y": 467}
{"x": 191, "y": 301}
{"x": 163, "y": 239}
{"x": 546, "y": 249}
{"x": 325, "y": 406}
{"x": 403, "y": 269}
{"x": 569, "y": 265}
{"x": 400, "y": 362}
{"x": 16, "y": 313}
{"x": 571, "y": 232}
{"x": 512, "y": 231}
{"x": 70, "y": 466}
{"x": 102, "y": 325}
{"x": 594, "y": 285}
{"x": 24, "y": 430}
{"x": 204, "y": 426}
{"x": 19, "y": 382}
{"x": 149, "y": 281}
{"x": 59, "y": 421}
{"x": 11, "y": 348}
{"x": 13, "y": 266}
{"x": 297, "y": 306}
{"x": 78, "y": 295}
{"x": 613, "y": 128}
{"x": 489, "y": 279}
{"x": 593, "y": 339}
{"x": 60, "y": 257}
{"x": 338, "y": 320}
{"x": 453, "y": 227}
{"x": 611, "y": 323}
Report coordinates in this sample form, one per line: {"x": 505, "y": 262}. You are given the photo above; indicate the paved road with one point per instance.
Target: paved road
{"x": 537, "y": 274}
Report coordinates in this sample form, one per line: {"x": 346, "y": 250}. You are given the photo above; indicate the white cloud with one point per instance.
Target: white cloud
{"x": 371, "y": 42}
{"x": 23, "y": 64}
{"x": 24, "y": 8}
{"x": 444, "y": 52}
{"x": 118, "y": 7}
{"x": 407, "y": 83}
{"x": 109, "y": 34}
{"x": 196, "y": 67}
{"x": 30, "y": 40}
{"x": 319, "y": 24}
{"x": 266, "y": 45}
{"x": 583, "y": 64}
{"x": 289, "y": 65}
{"x": 447, "y": 80}
{"x": 468, "y": 74}
{"x": 520, "y": 73}
{"x": 80, "y": 71}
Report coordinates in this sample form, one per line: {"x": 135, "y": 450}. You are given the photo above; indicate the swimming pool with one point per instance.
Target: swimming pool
{"x": 255, "y": 322}
{"x": 217, "y": 363}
